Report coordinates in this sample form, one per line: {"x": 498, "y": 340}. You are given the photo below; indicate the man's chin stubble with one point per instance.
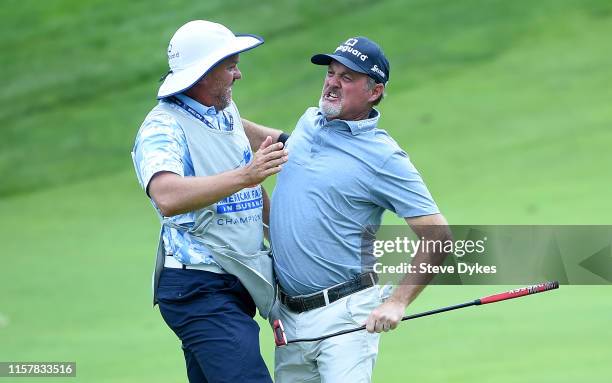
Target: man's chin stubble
{"x": 329, "y": 111}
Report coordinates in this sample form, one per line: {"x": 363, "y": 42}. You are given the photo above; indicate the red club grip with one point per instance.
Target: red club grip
{"x": 520, "y": 292}
{"x": 279, "y": 333}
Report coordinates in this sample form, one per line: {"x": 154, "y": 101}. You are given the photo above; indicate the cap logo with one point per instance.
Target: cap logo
{"x": 348, "y": 48}
{"x": 351, "y": 42}
{"x": 172, "y": 55}
{"x": 376, "y": 69}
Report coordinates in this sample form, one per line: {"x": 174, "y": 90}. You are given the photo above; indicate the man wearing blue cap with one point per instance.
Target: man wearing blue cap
{"x": 193, "y": 159}
{"x": 343, "y": 173}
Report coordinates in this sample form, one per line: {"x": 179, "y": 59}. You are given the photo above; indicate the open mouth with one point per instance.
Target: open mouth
{"x": 331, "y": 96}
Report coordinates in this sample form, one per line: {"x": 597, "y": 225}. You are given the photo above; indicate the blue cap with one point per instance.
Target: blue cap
{"x": 361, "y": 55}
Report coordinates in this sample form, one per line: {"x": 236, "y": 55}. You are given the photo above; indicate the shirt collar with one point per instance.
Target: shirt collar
{"x": 356, "y": 127}
{"x": 200, "y": 108}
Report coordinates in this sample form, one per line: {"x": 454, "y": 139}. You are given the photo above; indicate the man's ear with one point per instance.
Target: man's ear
{"x": 377, "y": 92}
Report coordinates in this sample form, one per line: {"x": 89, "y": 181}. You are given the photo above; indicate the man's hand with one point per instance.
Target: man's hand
{"x": 268, "y": 160}
{"x": 386, "y": 316}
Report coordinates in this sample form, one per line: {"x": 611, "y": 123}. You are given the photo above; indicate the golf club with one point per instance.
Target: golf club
{"x": 281, "y": 340}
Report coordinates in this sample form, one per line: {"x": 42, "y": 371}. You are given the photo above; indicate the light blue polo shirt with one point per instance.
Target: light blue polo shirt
{"x": 340, "y": 178}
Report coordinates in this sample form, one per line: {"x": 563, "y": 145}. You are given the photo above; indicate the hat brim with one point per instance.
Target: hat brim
{"x": 177, "y": 82}
{"x": 325, "y": 59}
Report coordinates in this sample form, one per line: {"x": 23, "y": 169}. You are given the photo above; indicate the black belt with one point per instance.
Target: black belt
{"x": 322, "y": 298}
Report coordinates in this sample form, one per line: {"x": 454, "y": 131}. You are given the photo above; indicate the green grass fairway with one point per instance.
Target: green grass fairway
{"x": 86, "y": 298}
{"x": 503, "y": 106}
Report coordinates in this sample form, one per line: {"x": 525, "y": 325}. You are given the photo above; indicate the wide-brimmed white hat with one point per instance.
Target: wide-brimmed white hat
{"x": 195, "y": 48}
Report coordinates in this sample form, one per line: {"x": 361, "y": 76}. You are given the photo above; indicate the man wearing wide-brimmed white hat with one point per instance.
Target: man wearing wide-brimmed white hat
{"x": 195, "y": 162}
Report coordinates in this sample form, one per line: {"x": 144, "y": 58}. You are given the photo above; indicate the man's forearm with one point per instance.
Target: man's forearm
{"x": 388, "y": 315}
{"x": 412, "y": 284}
{"x": 257, "y": 133}
{"x": 430, "y": 228}
{"x": 174, "y": 194}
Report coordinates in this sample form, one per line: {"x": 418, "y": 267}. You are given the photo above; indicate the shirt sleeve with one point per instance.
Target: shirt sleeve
{"x": 399, "y": 187}
{"x": 160, "y": 146}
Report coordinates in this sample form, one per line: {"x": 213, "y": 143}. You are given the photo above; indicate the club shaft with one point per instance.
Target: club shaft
{"x": 407, "y": 317}
{"x": 485, "y": 300}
